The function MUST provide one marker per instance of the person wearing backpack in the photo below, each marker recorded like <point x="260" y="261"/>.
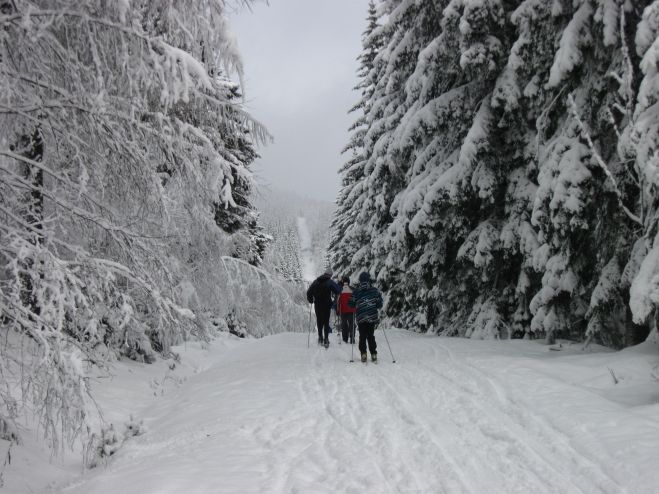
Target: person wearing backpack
<point x="346" y="313"/>
<point x="321" y="294"/>
<point x="367" y="300"/>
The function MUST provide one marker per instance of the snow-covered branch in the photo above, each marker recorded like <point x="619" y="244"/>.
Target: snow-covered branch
<point x="600" y="162"/>
<point x="123" y="177"/>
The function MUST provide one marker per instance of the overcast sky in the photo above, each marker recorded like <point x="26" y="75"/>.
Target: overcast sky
<point x="300" y="69"/>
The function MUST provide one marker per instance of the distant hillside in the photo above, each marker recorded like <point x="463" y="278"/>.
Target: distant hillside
<point x="280" y="211"/>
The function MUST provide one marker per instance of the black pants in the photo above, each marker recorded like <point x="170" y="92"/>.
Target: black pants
<point x="322" y="322"/>
<point x="367" y="334"/>
<point x="348" y="327"/>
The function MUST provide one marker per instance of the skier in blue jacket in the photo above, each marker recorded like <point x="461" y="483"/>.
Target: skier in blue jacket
<point x="367" y="300"/>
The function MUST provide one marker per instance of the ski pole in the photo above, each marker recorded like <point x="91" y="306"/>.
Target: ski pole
<point x="387" y="340"/>
<point x="352" y="337"/>
<point x="309" y="336"/>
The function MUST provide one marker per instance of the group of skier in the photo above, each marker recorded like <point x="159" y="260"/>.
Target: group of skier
<point x="360" y="303"/>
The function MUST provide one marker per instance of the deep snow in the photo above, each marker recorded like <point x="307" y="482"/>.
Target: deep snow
<point x="452" y="415"/>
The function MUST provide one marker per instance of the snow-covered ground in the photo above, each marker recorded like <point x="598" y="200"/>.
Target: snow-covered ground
<point x="451" y="415"/>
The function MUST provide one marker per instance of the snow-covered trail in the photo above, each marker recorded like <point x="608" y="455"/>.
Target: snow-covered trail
<point x="306" y="250"/>
<point x="272" y="416"/>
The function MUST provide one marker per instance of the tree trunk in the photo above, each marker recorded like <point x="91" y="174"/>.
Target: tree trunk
<point x="32" y="148"/>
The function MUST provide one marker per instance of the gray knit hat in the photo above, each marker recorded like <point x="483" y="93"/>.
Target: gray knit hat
<point x="329" y="271"/>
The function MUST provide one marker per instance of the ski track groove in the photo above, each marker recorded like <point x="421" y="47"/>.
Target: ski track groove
<point x="508" y="408"/>
<point x="386" y="449"/>
<point x="325" y="394"/>
<point x="546" y="460"/>
<point x="471" y="401"/>
<point x="356" y="415"/>
<point x="347" y="413"/>
<point x="490" y="441"/>
<point x="455" y="411"/>
<point x="387" y="444"/>
<point x="429" y="456"/>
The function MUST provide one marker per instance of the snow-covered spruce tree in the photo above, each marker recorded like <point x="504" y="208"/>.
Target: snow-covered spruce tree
<point x="99" y="179"/>
<point x="408" y="27"/>
<point x="283" y="253"/>
<point x="415" y="253"/>
<point x="358" y="234"/>
<point x="341" y="250"/>
<point x="234" y="212"/>
<point x="580" y="204"/>
<point x="639" y="145"/>
<point x="292" y="268"/>
<point x="446" y="223"/>
<point x="584" y="187"/>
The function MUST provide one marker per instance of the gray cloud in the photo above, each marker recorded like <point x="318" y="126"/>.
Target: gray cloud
<point x="299" y="72"/>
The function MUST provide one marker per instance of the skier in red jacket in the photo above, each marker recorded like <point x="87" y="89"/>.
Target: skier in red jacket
<point x="346" y="313"/>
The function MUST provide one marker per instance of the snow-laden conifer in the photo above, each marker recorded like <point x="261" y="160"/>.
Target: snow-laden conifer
<point x="344" y="230"/>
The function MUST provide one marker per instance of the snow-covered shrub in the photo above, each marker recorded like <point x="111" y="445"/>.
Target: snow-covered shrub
<point x="101" y="446"/>
<point x="607" y="307"/>
<point x="215" y="323"/>
<point x="236" y="326"/>
<point x="283" y="256"/>
<point x="257" y="303"/>
<point x="226" y="293"/>
<point x="8" y="431"/>
<point x="485" y="322"/>
<point x="133" y="428"/>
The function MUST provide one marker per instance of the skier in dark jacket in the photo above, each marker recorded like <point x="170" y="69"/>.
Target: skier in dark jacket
<point x="367" y="300"/>
<point x="321" y="293"/>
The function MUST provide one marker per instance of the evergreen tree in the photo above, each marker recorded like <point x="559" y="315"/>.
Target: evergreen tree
<point x="234" y="212"/>
<point x="408" y="26"/>
<point x="446" y="222"/>
<point x="638" y="148"/>
<point x="283" y="253"/>
<point x="341" y="248"/>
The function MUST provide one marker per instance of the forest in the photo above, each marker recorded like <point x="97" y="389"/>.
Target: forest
<point x="500" y="181"/>
<point x="501" y="174"/>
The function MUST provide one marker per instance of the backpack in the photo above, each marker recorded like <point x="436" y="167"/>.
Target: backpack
<point x="320" y="293"/>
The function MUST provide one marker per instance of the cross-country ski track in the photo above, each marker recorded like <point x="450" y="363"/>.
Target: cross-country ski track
<point x="451" y="416"/>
